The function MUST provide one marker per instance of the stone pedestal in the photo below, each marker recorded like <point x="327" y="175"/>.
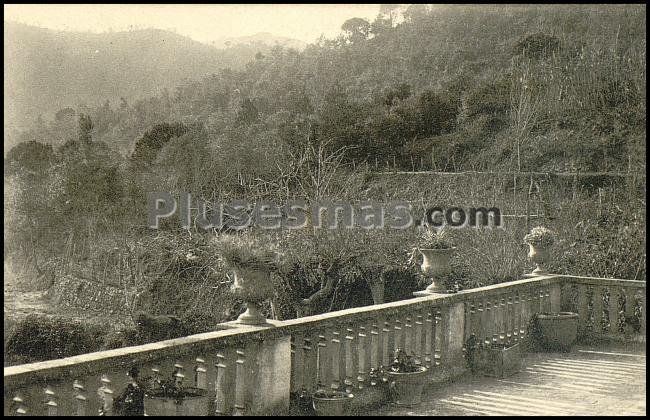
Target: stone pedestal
<point x="263" y="375"/>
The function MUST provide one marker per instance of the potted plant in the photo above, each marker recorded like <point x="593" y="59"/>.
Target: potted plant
<point x="555" y="331"/>
<point x="436" y="247"/>
<point x="495" y="359"/>
<point x="252" y="262"/>
<point x="170" y="397"/>
<point x="328" y="402"/>
<point x="407" y="379"/>
<point x="539" y="241"/>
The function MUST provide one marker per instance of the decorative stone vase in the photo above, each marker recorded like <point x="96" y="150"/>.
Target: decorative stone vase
<point x="253" y="286"/>
<point x="406" y="387"/>
<point x="539" y="255"/>
<point x="336" y="403"/>
<point x="435" y="263"/>
<point x="557" y="331"/>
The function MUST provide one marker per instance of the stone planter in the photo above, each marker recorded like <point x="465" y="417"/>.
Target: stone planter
<point x="406" y="388"/>
<point x="336" y="403"/>
<point x="253" y="287"/>
<point x="195" y="403"/>
<point x="435" y="263"/>
<point x="539" y="255"/>
<point x="557" y="331"/>
<point x="499" y="362"/>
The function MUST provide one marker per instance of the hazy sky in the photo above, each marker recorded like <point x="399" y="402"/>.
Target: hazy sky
<point x="202" y="22"/>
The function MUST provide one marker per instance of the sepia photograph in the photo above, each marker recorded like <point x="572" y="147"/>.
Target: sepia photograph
<point x="324" y="209"/>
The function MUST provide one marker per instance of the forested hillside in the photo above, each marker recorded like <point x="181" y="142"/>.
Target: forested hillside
<point x="46" y="70"/>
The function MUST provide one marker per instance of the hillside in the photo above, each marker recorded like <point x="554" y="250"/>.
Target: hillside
<point x="263" y="38"/>
<point x="48" y="70"/>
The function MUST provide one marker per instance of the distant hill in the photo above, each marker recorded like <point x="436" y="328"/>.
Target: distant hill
<point x="260" y="38"/>
<point x="47" y="70"/>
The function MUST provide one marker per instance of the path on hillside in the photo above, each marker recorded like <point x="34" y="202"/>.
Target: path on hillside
<point x="20" y="301"/>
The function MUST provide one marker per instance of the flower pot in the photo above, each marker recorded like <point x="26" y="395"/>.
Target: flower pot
<point x="253" y="286"/>
<point x="499" y="362"/>
<point x="407" y="387"/>
<point x="557" y="331"/>
<point x="194" y="403"/>
<point x="435" y="263"/>
<point x="336" y="403"/>
<point x="539" y="255"/>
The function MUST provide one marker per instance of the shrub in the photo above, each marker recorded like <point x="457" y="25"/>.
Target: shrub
<point x="40" y="337"/>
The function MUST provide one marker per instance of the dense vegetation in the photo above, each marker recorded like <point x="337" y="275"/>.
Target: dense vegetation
<point x="502" y="88"/>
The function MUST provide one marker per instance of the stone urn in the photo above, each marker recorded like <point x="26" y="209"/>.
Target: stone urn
<point x="539" y="255"/>
<point x="253" y="286"/>
<point x="539" y="240"/>
<point x="435" y="263"/>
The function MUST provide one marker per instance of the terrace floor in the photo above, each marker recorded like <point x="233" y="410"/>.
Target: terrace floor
<point x="591" y="380"/>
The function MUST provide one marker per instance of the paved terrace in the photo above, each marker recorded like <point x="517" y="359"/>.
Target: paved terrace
<point x="246" y="370"/>
<point x="593" y="380"/>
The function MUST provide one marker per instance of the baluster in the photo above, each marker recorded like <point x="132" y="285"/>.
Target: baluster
<point x="200" y="374"/>
<point x="481" y="315"/>
<point x="242" y="379"/>
<point x="540" y="300"/>
<point x="310" y="372"/>
<point x="430" y="338"/>
<point x="397" y="335"/>
<point x="105" y="396"/>
<point x="351" y="360"/>
<point x="510" y="319"/>
<point x="469" y="311"/>
<point x="297" y="361"/>
<point x="418" y="332"/>
<point x="338" y="371"/>
<point x="629" y="304"/>
<point x="516" y="317"/>
<point x="489" y="323"/>
<point x="407" y="334"/>
<point x="583" y="306"/>
<point x="324" y="361"/>
<point x="51" y="407"/>
<point x="18" y="405"/>
<point x="613" y="310"/>
<point x="390" y="342"/>
<point x="79" y="393"/>
<point x="379" y="337"/>
<point x="643" y="310"/>
<point x="598" y="309"/>
<point x="546" y="300"/>
<point x="364" y="348"/>
<point x="443" y="332"/>
<point x="502" y="319"/>
<point x="226" y="367"/>
<point x="415" y="334"/>
<point x="523" y="318"/>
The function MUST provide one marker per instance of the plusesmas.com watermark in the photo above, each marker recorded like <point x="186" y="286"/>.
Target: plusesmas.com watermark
<point x="298" y="214"/>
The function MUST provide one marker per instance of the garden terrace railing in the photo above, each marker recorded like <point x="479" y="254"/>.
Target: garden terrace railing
<point x="253" y="370"/>
<point x="609" y="308"/>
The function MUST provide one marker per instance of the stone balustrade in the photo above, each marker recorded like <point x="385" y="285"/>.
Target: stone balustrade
<point x="253" y="369"/>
